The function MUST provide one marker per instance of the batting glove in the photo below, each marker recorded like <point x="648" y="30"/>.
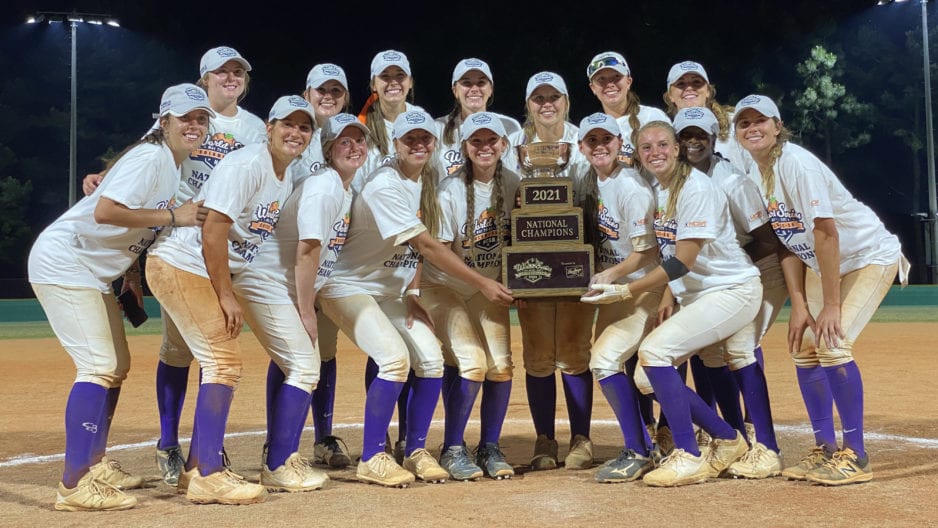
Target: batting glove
<point x="607" y="293"/>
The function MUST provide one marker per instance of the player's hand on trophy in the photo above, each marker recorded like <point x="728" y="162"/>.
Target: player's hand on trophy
<point x="601" y="293"/>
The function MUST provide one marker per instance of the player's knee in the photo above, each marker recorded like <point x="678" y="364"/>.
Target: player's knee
<point x="394" y="369"/>
<point x="175" y="356"/>
<point x="807" y="357"/>
<point x="430" y="368"/>
<point x="835" y="357"/>
<point x="473" y="372"/>
<point x="222" y="373"/>
<point x="641" y="382"/>
<point x="304" y="379"/>
<point x="600" y="374"/>
<point x="104" y="379"/>
<point x="653" y="357"/>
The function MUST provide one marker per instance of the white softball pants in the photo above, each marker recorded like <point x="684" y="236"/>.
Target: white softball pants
<point x="620" y="327"/>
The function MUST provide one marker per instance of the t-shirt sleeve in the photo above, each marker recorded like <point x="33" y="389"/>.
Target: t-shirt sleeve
<point x="805" y="178"/>
<point x="745" y="202"/>
<point x="230" y="188"/>
<point x="316" y="211"/>
<point x="134" y="179"/>
<point x="389" y="206"/>
<point x="699" y="207"/>
<point x="639" y="206"/>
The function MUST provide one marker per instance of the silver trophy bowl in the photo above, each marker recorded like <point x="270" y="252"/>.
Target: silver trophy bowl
<point x="544" y="159"/>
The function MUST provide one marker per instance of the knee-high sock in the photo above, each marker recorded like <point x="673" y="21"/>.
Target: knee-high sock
<point x="275" y="379"/>
<point x="542" y="401"/>
<point x="702" y="384"/>
<point x="578" y="392"/>
<point x="292" y="406"/>
<point x="211" y="417"/>
<point x="403" y="406"/>
<point x="458" y="405"/>
<point x="379" y="407"/>
<point x="621" y="394"/>
<point x="450" y="377"/>
<point x="760" y="357"/>
<point x="755" y="390"/>
<point x="371" y="372"/>
<point x="819" y="402"/>
<point x="85" y="413"/>
<point x="847" y="389"/>
<point x="494" y="407"/>
<point x="646" y="402"/>
<point x="171" y="386"/>
<point x="726" y="391"/>
<point x="323" y="401"/>
<point x="671" y="394"/>
<point x="424" y="395"/>
<point x="682" y="372"/>
<point x="110" y="405"/>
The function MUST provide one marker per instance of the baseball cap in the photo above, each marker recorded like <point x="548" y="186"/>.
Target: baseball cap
<point x="681" y="68"/>
<point x="288" y="104"/>
<point x="326" y="72"/>
<point x="338" y="123"/>
<point x="599" y="120"/>
<point x="481" y="121"/>
<point x="548" y="78"/>
<point x="217" y="57"/>
<point x="181" y="99"/>
<point x="696" y="116"/>
<point x="467" y="65"/>
<point x="759" y="103"/>
<point x="389" y="58"/>
<point x="413" y="120"/>
<point x="608" y="59"/>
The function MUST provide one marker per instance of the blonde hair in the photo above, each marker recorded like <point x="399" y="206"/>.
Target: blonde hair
<point x="430" y="214"/>
<point x="722" y="112"/>
<point x="374" y="120"/>
<point x="497" y="201"/>
<point x="768" y="173"/>
<point x="682" y="168"/>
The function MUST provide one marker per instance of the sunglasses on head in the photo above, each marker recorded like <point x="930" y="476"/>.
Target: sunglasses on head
<point x="608" y="62"/>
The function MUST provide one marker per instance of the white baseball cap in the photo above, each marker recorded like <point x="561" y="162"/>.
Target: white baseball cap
<point x="548" y="78"/>
<point x="217" y="57"/>
<point x="413" y="120"/>
<point x="288" y="104"/>
<point x="759" y="103"/>
<point x="599" y="120"/>
<point x="608" y="59"/>
<point x="482" y="121"/>
<point x="340" y="122"/>
<point x="467" y="65"/>
<point x="682" y="68"/>
<point x="389" y="58"/>
<point x="326" y="72"/>
<point x="181" y="99"/>
<point x="696" y="116"/>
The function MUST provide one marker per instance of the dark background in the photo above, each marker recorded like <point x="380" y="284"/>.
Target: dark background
<point x="746" y="47"/>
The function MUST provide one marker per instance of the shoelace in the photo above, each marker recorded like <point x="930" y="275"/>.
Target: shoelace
<point x="753" y="455"/>
<point x="673" y="458"/>
<point x="104" y="489"/>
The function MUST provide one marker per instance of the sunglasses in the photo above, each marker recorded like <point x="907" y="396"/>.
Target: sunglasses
<point x="608" y="62"/>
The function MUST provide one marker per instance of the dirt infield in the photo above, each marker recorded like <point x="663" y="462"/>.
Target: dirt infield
<point x="901" y="419"/>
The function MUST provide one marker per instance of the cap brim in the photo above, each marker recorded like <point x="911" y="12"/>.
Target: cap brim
<point x="186" y="110"/>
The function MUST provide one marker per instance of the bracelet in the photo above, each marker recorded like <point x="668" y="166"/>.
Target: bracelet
<point x="172" y="218"/>
<point x="413" y="291"/>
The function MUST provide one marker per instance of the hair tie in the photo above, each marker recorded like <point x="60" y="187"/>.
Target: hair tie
<point x="362" y="116"/>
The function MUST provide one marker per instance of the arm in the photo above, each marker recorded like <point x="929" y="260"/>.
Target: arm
<point x="306" y="267"/>
<point x="764" y="243"/>
<point x="91" y="182"/>
<point x="442" y="257"/>
<point x="827" y="248"/>
<point x="686" y="252"/>
<point x="215" y="251"/>
<point x="633" y="262"/>
<point x="414" y="309"/>
<point x="114" y="213"/>
<point x="800" y="319"/>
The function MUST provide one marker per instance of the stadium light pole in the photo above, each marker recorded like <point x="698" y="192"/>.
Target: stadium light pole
<point x="73" y="18"/>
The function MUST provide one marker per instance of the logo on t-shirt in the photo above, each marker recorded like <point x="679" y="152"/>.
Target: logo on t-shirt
<point x="788" y="224"/>
<point x="454" y="161"/>
<point x="485" y="239"/>
<point x="213" y="149"/>
<point x="608" y="226"/>
<point x="340" y="229"/>
<point x="265" y="219"/>
<point x="665" y="232"/>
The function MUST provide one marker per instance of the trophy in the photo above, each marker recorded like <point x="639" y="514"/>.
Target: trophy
<point x="547" y="256"/>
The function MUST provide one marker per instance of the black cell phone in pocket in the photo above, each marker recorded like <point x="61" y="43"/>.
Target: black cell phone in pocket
<point x="134" y="312"/>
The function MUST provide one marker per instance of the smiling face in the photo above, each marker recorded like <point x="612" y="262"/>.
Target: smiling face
<point x="184" y="134"/>
<point x="414" y="150"/>
<point x="757" y="133"/>
<point x="473" y="92"/>
<point x="547" y="106"/>
<point x="612" y="89"/>
<point x="226" y="84"/>
<point x="601" y="149"/>
<point x="289" y="137"/>
<point x="484" y="148"/>
<point x="697" y="145"/>
<point x="349" y="151"/>
<point x="392" y="85"/>
<point x="327" y="100"/>
<point x="657" y="151"/>
<point x="689" y="90"/>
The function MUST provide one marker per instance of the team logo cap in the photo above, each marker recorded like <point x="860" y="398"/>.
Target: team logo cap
<point x="326" y="72"/>
<point x="759" y="103"/>
<point x="414" y="120"/>
<point x="340" y="122"/>
<point x="548" y="78"/>
<point x="288" y="104"/>
<point x="481" y="121"/>
<point x="217" y="57"/>
<point x="696" y="116"/>
<point x="608" y="59"/>
<point x="386" y="59"/>
<point x="181" y="99"/>
<point x="681" y="68"/>
<point x="599" y="120"/>
<point x="466" y="65"/>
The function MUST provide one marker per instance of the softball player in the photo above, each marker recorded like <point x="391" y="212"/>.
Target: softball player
<point x="327" y="91"/>
<point x="719" y="291"/>
<point x="623" y="211"/>
<point x="552" y="340"/>
<point x="475" y="205"/>
<point x="728" y="371"/>
<point x="853" y="261"/>
<point x="365" y="295"/>
<point x="192" y="272"/>
<point x="71" y="267"/>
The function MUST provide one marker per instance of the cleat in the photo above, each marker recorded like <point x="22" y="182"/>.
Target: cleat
<point x="171" y="463"/>
<point x="492" y="460"/>
<point x="422" y="464"/>
<point x="545" y="454"/>
<point x="91" y="494"/>
<point x="724" y="452"/>
<point x="383" y="470"/>
<point x="626" y="467"/>
<point x="296" y="474"/>
<point x="750" y="433"/>
<point x="581" y="453"/>
<point x="680" y="468"/>
<point x="184" y="479"/>
<point x="758" y="463"/>
<point x="224" y="487"/>
<point x="331" y="451"/>
<point x="110" y="471"/>
<point x="663" y="444"/>
<point x="703" y="439"/>
<point x="844" y="467"/>
<point x="225" y="461"/>
<point x="813" y="460"/>
<point x="456" y="461"/>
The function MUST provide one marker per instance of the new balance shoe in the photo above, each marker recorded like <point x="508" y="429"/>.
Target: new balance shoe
<point x="296" y="474"/>
<point x="382" y="469"/>
<point x="110" y="471"/>
<point x="581" y="453"/>
<point x="91" y="494"/>
<point x="331" y="451"/>
<point x="626" y="467"/>
<point x="758" y="463"/>
<point x="490" y="458"/>
<point x="844" y="467"/>
<point x="422" y="464"/>
<point x="545" y="453"/>
<point x="171" y="463"/>
<point x="813" y="460"/>
<point x="224" y="487"/>
<point x="456" y="461"/>
<point x="680" y="468"/>
<point x="724" y="452"/>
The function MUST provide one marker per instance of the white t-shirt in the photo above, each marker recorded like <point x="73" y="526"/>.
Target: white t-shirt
<point x="311" y="161"/>
<point x="732" y="151"/>
<point x="318" y="209"/>
<point x="806" y="189"/>
<point x="375" y="158"/>
<point x="747" y="209"/>
<point x="701" y="213"/>
<point x="75" y="250"/>
<point x="488" y="249"/>
<point x="626" y="211"/>
<point x="374" y="262"/>
<point x="449" y="155"/>
<point x="244" y="188"/>
<point x="577" y="165"/>
<point x="646" y="114"/>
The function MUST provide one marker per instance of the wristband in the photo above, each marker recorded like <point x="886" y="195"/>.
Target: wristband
<point x="674" y="268"/>
<point x="413" y="291"/>
<point x="172" y="218"/>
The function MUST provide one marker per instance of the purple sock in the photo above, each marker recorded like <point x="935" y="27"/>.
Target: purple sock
<point x="110" y="405"/>
<point x="458" y="406"/>
<point x="708" y="419"/>
<point x="171" y="386"/>
<point x="726" y="392"/>
<point x="323" y="401"/>
<point x="847" y="389"/>
<point x="702" y="386"/>
<point x="816" y="393"/>
<point x="450" y="377"/>
<point x="371" y="372"/>
<point x="494" y="407"/>
<point x="275" y="378"/>
<point x="578" y="392"/>
<point x="84" y="414"/>
<point x="646" y="402"/>
<point x="755" y="390"/>
<point x="672" y="396"/>
<point x="760" y="357"/>
<point x="542" y="401"/>
<point x="292" y="405"/>
<point x="403" y="406"/>
<point x="621" y="394"/>
<point x="424" y="395"/>
<point x="379" y="407"/>
<point x="211" y="417"/>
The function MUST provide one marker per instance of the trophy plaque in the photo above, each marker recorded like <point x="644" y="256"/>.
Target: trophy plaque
<point x="547" y="256"/>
